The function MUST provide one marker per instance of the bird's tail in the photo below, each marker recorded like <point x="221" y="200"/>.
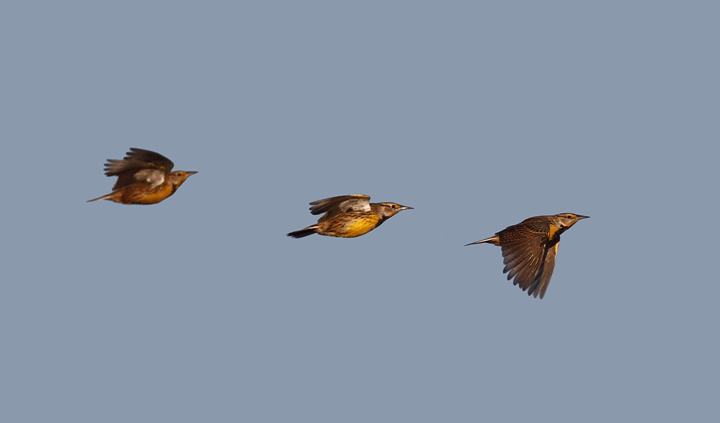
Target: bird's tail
<point x="492" y="240"/>
<point x="104" y="197"/>
<point x="303" y="232"/>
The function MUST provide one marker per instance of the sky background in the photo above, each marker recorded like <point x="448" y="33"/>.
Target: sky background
<point x="478" y="115"/>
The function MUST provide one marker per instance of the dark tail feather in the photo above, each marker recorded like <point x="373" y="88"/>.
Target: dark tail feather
<point x="303" y="232"/>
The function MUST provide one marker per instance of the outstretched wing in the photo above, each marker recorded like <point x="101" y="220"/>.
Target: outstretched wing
<point x="139" y="166"/>
<point x="542" y="279"/>
<point x="138" y="158"/>
<point x="334" y="206"/>
<point x="523" y="250"/>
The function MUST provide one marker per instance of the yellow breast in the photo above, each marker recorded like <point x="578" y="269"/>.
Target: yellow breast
<point x="360" y="226"/>
<point x="554" y="232"/>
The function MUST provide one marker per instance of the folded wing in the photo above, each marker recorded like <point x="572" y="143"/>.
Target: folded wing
<point x="337" y="205"/>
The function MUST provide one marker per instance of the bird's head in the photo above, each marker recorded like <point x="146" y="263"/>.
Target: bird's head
<point x="178" y="177"/>
<point x="566" y="220"/>
<point x="391" y="209"/>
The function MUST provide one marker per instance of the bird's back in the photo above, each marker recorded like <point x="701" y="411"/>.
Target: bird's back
<point x="528" y="228"/>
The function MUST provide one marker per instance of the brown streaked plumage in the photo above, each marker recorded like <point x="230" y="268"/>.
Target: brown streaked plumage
<point x="144" y="177"/>
<point x="529" y="249"/>
<point x="348" y="216"/>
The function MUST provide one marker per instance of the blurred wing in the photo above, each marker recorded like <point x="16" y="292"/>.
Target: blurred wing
<point x="152" y="177"/>
<point x="139" y="166"/>
<point x="138" y="159"/>
<point x="337" y="205"/>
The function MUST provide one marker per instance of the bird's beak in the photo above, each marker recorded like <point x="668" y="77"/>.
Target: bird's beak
<point x="192" y="172"/>
<point x="405" y="208"/>
<point x="579" y="216"/>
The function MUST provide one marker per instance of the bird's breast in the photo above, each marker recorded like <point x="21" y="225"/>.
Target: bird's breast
<point x="553" y="232"/>
<point x="360" y="226"/>
<point x="153" y="196"/>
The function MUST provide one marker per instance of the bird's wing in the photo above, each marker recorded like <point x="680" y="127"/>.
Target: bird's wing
<point x="139" y="166"/>
<point x="149" y="176"/>
<point x="138" y="159"/>
<point x="542" y="279"/>
<point x="341" y="204"/>
<point x="523" y="250"/>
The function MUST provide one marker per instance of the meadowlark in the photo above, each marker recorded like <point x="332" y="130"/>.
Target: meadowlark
<point x="144" y="177"/>
<point x="529" y="249"/>
<point x="348" y="216"/>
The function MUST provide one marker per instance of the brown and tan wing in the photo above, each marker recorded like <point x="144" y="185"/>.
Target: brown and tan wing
<point x="523" y="249"/>
<point x="138" y="158"/>
<point x="139" y="166"/>
<point x="334" y="206"/>
<point x="542" y="279"/>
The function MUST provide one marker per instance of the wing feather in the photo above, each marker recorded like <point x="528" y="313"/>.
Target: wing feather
<point x="137" y="158"/>
<point x="523" y="249"/>
<point x="334" y="206"/>
<point x="139" y="166"/>
<point x="542" y="279"/>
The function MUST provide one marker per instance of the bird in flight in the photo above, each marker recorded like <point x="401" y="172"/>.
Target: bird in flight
<point x="144" y="177"/>
<point x="348" y="216"/>
<point x="529" y="249"/>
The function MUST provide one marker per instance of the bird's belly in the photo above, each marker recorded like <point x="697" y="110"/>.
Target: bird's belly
<point x="359" y="227"/>
<point x="146" y="195"/>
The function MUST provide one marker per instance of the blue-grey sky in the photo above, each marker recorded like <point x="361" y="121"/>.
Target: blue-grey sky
<point x="478" y="115"/>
